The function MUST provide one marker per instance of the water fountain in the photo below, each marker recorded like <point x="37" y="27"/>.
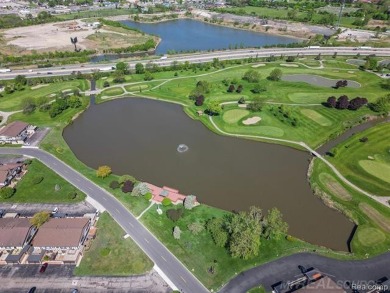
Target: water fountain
<point x="182" y="148"/>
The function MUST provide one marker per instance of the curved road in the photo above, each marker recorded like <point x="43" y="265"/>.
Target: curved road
<point x="286" y="268"/>
<point x="165" y="260"/>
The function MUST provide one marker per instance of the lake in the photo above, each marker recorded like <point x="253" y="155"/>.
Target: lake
<point x="140" y="137"/>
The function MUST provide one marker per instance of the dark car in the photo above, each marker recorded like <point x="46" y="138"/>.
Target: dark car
<point x="50" y="73"/>
<point x="32" y="289"/>
<point x="43" y="267"/>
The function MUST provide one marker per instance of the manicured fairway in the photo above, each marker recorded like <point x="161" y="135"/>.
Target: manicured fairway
<point x="115" y="91"/>
<point x="233" y="116"/>
<point x="366" y="164"/>
<point x="316" y="117"/>
<point x="378" y="169"/>
<point x="370" y="236"/>
<point x="380" y="219"/>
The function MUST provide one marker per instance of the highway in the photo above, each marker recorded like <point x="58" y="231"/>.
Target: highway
<point x="197" y="58"/>
<point x="181" y="277"/>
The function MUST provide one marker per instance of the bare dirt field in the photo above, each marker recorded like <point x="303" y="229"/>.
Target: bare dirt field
<point x="56" y="36"/>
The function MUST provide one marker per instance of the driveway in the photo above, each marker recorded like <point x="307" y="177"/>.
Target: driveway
<point x="59" y="278"/>
<point x="286" y="268"/>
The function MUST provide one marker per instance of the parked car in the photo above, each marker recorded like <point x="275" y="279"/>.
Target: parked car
<point x="32" y="289"/>
<point x="55" y="210"/>
<point x="43" y="267"/>
<point x="74" y="291"/>
<point x="1" y="213"/>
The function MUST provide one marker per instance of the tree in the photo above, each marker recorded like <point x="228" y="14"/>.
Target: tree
<point x="213" y="108"/>
<point x="195" y="228"/>
<point x="290" y="59"/>
<point x="239" y="89"/>
<point x="28" y="105"/>
<point x="371" y="63"/>
<point x="241" y="100"/>
<point x="74" y="102"/>
<point x="357" y="103"/>
<point x="251" y="76"/>
<point x="381" y="105"/>
<point x="230" y="88"/>
<point x="20" y="80"/>
<point x="174" y="214"/>
<point x="114" y="184"/>
<point x="256" y="105"/>
<point x="199" y="100"/>
<point x="331" y="102"/>
<point x="258" y="88"/>
<point x="386" y="84"/>
<point x="341" y="83"/>
<point x="139" y="68"/>
<point x="106" y="84"/>
<point x="275" y="227"/>
<point x="126" y="177"/>
<point x="122" y="67"/>
<point x="40" y="218"/>
<point x="7" y="192"/>
<point x="176" y="232"/>
<point x="218" y="232"/>
<point x="148" y="76"/>
<point x="103" y="171"/>
<point x="245" y="229"/>
<point x="166" y="202"/>
<point x="141" y="188"/>
<point x="189" y="202"/>
<point x="127" y="186"/>
<point x="275" y="74"/>
<point x="342" y="102"/>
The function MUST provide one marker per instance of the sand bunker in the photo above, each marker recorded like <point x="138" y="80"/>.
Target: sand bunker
<point x="251" y="120"/>
<point x="289" y="65"/>
<point x="38" y="86"/>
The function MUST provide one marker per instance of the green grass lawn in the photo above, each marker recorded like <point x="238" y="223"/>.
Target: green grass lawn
<point x="366" y="164"/>
<point x="29" y="192"/>
<point x="112" y="255"/>
<point x="372" y="236"/>
<point x="12" y="102"/>
<point x="198" y="252"/>
<point x="115" y="91"/>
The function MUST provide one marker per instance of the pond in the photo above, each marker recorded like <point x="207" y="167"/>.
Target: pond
<point x="317" y="80"/>
<point x="188" y="34"/>
<point x="141" y="137"/>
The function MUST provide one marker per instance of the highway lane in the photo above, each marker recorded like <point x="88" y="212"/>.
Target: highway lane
<point x="165" y="260"/>
<point x="197" y="58"/>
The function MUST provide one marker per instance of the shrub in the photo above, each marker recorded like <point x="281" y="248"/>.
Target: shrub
<point x="199" y="100"/>
<point x="126" y="177"/>
<point x="114" y="184"/>
<point x="195" y="228"/>
<point x="176" y="232"/>
<point x="127" y="186"/>
<point x="275" y="74"/>
<point x="241" y="100"/>
<point x="174" y="215"/>
<point x="72" y="195"/>
<point x="148" y="196"/>
<point x="239" y="89"/>
<point x="166" y="202"/>
<point x="140" y="189"/>
<point x="258" y="88"/>
<point x="363" y="139"/>
<point x="231" y="88"/>
<point x="7" y="192"/>
<point x="37" y="179"/>
<point x="106" y="84"/>
<point x="251" y="76"/>
<point x="189" y="202"/>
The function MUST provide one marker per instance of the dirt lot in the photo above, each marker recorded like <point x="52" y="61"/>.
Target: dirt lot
<point x="56" y="36"/>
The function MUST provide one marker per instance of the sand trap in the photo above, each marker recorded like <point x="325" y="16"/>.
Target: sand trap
<point x="251" y="120"/>
<point x="351" y="71"/>
<point x="289" y="65"/>
<point x="38" y="86"/>
<point x="242" y="105"/>
<point x="258" y="65"/>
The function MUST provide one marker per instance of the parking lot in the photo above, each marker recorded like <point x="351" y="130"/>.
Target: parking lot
<point x="59" y="279"/>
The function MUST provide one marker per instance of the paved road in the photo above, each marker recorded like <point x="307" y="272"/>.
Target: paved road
<point x="60" y="279"/>
<point x="199" y="58"/>
<point x="284" y="269"/>
<point x="166" y="261"/>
